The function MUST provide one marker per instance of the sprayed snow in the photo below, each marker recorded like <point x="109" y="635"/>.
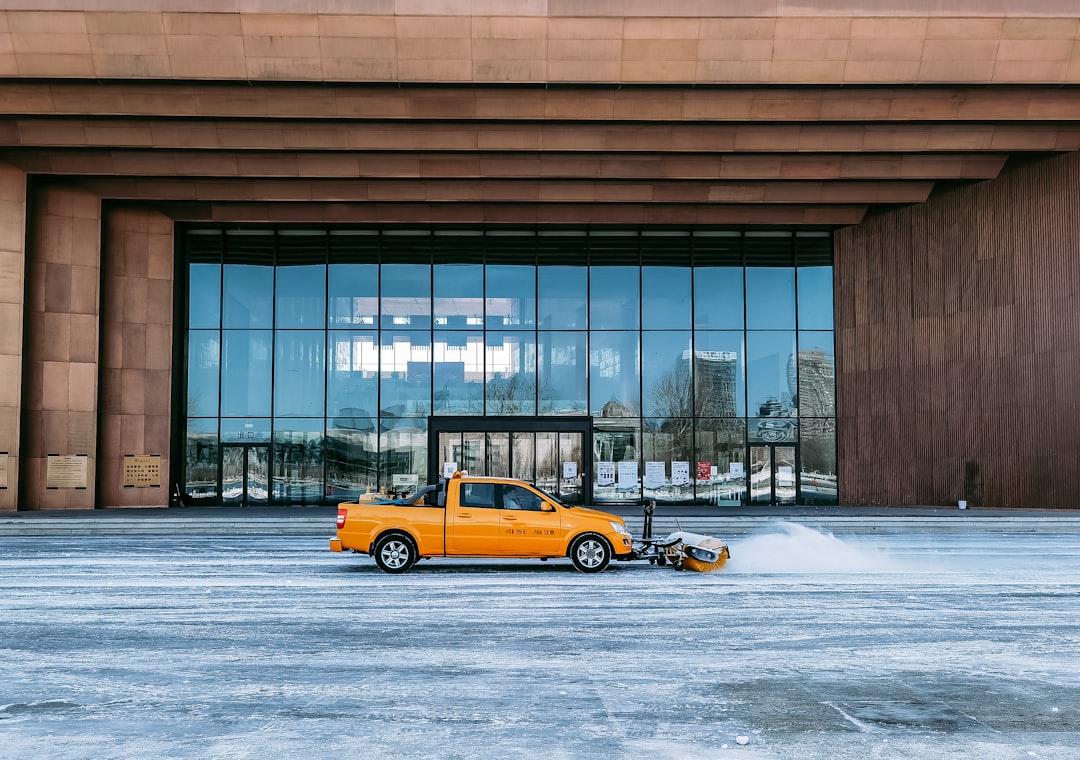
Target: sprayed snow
<point x="793" y="548"/>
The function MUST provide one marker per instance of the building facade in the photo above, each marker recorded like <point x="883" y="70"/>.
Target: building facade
<point x="747" y="253"/>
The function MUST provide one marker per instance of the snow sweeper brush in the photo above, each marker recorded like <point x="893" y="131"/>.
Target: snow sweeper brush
<point x="682" y="550"/>
<point x="693" y="551"/>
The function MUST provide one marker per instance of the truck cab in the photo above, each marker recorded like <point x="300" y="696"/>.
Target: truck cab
<point x="480" y="517"/>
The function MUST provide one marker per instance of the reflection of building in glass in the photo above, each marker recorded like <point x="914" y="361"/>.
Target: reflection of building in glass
<point x="351" y="447"/>
<point x="816" y="382"/>
<point x="365" y="425"/>
<point x="716" y="376"/>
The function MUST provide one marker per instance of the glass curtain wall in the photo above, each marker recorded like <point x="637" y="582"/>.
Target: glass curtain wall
<point x="689" y="348"/>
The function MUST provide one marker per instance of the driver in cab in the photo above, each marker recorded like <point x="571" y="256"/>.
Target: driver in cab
<point x="520" y="498"/>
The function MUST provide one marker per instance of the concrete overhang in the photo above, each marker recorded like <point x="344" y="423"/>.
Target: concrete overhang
<point x="563" y="111"/>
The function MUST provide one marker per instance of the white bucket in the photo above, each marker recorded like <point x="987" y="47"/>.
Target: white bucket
<point x="962" y="504"/>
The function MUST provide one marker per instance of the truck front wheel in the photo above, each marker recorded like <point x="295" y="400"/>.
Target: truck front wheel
<point x="590" y="553"/>
<point x="394" y="553"/>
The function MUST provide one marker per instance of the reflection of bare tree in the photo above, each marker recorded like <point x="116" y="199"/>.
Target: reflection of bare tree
<point x="469" y="399"/>
<point x="816" y="384"/>
<point x="201" y="458"/>
<point x="818" y="444"/>
<point x="546" y="455"/>
<point x="545" y="392"/>
<point x="673" y="403"/>
<point x="298" y="459"/>
<point x="673" y="393"/>
<point x="352" y="454"/>
<point x="511" y="395"/>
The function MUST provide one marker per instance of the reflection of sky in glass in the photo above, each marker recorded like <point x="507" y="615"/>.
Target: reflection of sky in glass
<point x="818" y="341"/>
<point x="248" y="295"/>
<point x="245" y="373"/>
<point x="204" y="359"/>
<point x="511" y="296"/>
<point x="816" y="298"/>
<point x="665" y="298"/>
<point x="301" y="297"/>
<point x="614" y="297"/>
<point x="718" y="297"/>
<point x="770" y="298"/>
<point x="204" y="295"/>
<point x="406" y="295"/>
<point x="769" y="379"/>
<point x="298" y="373"/>
<point x="563" y="297"/>
<point x="354" y="294"/>
<point x="459" y="296"/>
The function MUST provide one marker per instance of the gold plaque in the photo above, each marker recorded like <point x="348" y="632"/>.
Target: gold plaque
<point x="142" y="471"/>
<point x="3" y="469"/>
<point x="66" y="471"/>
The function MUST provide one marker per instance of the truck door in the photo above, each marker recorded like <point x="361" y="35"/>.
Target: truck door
<point x="527" y="529"/>
<point x="472" y="519"/>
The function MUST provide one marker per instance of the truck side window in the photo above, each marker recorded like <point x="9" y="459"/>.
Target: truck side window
<point x="478" y="495"/>
<point x="516" y="497"/>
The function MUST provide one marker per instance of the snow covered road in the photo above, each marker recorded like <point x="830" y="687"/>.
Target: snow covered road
<point x="805" y="646"/>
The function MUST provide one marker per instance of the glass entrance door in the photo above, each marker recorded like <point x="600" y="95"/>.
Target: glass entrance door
<point x="245" y="471"/>
<point x="551" y="455"/>
<point x="772" y="474"/>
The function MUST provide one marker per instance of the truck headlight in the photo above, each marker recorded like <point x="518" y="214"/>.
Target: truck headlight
<point x="619" y="527"/>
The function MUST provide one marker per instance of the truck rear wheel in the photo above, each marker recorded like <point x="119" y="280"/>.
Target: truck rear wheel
<point x="395" y="553"/>
<point x="590" y="553"/>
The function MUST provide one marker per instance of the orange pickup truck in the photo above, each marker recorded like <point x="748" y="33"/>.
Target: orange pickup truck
<point x="480" y="517"/>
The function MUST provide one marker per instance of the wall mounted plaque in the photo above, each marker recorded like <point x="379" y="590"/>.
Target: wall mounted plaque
<point x="66" y="470"/>
<point x="3" y="469"/>
<point x="142" y="471"/>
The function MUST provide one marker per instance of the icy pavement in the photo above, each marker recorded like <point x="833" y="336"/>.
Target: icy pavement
<point x="806" y="646"/>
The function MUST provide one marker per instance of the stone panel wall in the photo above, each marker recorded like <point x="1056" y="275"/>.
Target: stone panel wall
<point x="12" y="289"/>
<point x="535" y="41"/>
<point x="60" y="378"/>
<point x="136" y="353"/>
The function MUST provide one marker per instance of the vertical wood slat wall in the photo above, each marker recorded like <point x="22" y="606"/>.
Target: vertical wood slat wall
<point x="958" y="346"/>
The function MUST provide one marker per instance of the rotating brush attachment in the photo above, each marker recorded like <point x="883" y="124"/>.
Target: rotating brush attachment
<point x="706" y="555"/>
